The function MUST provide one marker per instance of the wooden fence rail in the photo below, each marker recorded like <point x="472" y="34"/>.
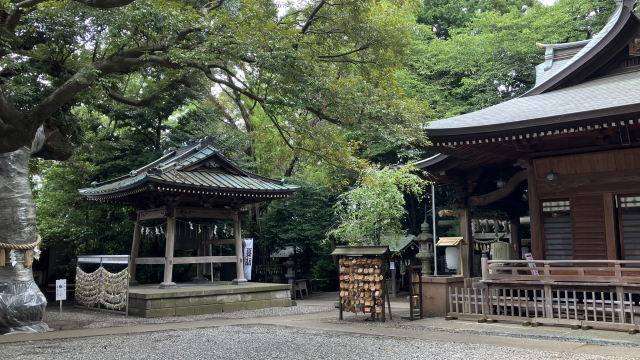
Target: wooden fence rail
<point x="562" y="295"/>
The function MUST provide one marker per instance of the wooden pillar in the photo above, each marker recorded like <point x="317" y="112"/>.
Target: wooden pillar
<point x="135" y="247"/>
<point x="237" y="235"/>
<point x="199" y="279"/>
<point x="610" y="227"/>
<point x="467" y="247"/>
<point x="535" y="214"/>
<point x="516" y="250"/>
<point x="168" y="257"/>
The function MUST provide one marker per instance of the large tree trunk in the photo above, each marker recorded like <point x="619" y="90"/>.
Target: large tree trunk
<point x="22" y="304"/>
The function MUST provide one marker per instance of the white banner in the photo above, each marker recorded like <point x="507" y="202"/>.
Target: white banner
<point x="248" y="258"/>
<point x="528" y="256"/>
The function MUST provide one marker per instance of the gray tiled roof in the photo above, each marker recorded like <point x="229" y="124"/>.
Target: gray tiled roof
<point x="171" y="169"/>
<point x="597" y="38"/>
<point x="599" y="94"/>
<point x="546" y="103"/>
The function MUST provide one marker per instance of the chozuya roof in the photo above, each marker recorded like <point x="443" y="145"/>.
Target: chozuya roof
<point x="561" y="99"/>
<point x="200" y="167"/>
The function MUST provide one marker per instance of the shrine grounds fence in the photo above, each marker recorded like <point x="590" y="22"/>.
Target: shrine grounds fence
<point x="602" y="294"/>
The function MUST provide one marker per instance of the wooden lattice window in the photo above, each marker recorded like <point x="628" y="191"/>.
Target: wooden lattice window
<point x="629" y="227"/>
<point x="558" y="243"/>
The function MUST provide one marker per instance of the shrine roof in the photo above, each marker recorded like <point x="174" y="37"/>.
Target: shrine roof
<point x="200" y="167"/>
<point x="574" y="85"/>
<point x="578" y="102"/>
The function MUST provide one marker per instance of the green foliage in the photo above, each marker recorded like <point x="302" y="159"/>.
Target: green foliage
<point x="443" y="16"/>
<point x="490" y="58"/>
<point x="302" y="221"/>
<point x="372" y="212"/>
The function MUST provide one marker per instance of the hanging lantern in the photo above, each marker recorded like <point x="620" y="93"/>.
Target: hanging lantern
<point x="500" y="183"/>
<point x="552" y="176"/>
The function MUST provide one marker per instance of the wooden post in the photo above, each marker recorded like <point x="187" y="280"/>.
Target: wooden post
<point x="535" y="214"/>
<point x="135" y="247"/>
<point x="610" y="227"/>
<point x="485" y="268"/>
<point x="515" y="237"/>
<point x="168" y="257"/>
<point x="237" y="235"/>
<point x="467" y="247"/>
<point x="393" y="280"/>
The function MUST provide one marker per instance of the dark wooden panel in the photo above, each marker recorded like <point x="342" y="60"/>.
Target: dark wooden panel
<point x="588" y="228"/>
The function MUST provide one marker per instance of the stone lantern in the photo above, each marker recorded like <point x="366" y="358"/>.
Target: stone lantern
<point x="425" y="240"/>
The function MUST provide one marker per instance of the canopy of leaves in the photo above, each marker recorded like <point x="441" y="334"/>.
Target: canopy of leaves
<point x="372" y="212"/>
<point x="491" y="58"/>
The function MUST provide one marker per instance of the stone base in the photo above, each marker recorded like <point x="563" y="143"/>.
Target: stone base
<point x="167" y="285"/>
<point x="239" y="281"/>
<point x="191" y="299"/>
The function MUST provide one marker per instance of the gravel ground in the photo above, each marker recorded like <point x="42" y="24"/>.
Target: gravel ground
<point x="71" y="318"/>
<point x="266" y="342"/>
<point x="397" y="323"/>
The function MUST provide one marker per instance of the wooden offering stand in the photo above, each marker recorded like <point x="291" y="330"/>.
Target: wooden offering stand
<point x="362" y="280"/>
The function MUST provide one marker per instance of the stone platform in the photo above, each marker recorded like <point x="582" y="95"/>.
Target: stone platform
<point x="195" y="299"/>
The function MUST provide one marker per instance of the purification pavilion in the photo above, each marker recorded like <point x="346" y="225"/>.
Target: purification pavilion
<point x="567" y="152"/>
<point x="190" y="183"/>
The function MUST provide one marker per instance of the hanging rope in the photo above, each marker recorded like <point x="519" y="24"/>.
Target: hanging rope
<point x="27" y="255"/>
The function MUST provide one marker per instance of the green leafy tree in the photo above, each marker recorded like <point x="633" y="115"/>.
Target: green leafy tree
<point x="372" y="212"/>
<point x="492" y="57"/>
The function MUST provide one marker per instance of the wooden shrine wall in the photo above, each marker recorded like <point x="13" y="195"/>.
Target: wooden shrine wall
<point x="591" y="173"/>
<point x="587" y="228"/>
<point x="589" y="181"/>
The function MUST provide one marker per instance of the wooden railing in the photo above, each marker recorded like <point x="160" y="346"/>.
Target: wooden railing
<point x="604" y="295"/>
<point x="591" y="271"/>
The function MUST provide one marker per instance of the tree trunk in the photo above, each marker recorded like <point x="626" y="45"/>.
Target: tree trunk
<point x="22" y="304"/>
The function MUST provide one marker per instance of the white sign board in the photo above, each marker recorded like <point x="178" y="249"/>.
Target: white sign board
<point x="528" y="256"/>
<point x="61" y="290"/>
<point x="248" y="258"/>
<point x="392" y="265"/>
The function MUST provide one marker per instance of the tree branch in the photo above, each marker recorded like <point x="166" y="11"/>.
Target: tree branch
<point x="119" y="98"/>
<point x="322" y="116"/>
<point x="105" y="4"/>
<point x="18" y="10"/>
<point x="306" y="25"/>
<point x="361" y="48"/>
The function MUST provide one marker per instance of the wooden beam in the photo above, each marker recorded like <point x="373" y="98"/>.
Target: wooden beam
<point x="610" y="226"/>
<point x="516" y="245"/>
<point x="219" y="242"/>
<point x="204" y="259"/>
<point x="188" y="260"/>
<point x="149" y="261"/>
<point x="224" y="214"/>
<point x="496" y="195"/>
<point x="467" y="246"/>
<point x="153" y="214"/>
<point x="535" y="214"/>
<point x="168" y="258"/>
<point x="135" y="247"/>
<point x="237" y="234"/>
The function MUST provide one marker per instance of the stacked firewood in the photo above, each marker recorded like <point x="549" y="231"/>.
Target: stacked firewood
<point x="361" y="284"/>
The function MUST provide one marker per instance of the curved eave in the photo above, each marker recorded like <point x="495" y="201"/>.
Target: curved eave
<point x="561" y="123"/>
<point x="597" y="52"/>
<point x="168" y="186"/>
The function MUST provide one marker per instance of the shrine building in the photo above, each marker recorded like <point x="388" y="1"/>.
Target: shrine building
<point x="566" y="153"/>
<point x="181" y="192"/>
